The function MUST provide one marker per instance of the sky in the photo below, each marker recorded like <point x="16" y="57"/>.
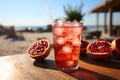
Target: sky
<point x="33" y="13"/>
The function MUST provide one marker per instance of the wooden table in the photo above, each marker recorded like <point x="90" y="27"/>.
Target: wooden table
<point x="21" y="67"/>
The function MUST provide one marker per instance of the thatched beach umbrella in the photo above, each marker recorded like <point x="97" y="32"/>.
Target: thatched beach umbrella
<point x="108" y="6"/>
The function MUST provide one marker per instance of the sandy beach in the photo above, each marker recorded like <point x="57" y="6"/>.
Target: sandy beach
<point x="10" y="46"/>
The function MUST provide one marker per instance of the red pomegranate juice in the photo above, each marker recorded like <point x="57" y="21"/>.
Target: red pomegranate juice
<point x="67" y="46"/>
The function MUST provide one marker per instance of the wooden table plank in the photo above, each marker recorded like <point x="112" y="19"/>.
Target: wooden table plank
<point x="22" y="67"/>
<point x="101" y="70"/>
<point x="109" y="67"/>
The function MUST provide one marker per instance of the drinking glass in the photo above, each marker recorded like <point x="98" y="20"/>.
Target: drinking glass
<point x="67" y="40"/>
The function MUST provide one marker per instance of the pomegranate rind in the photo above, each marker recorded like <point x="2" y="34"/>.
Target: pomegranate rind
<point x="115" y="51"/>
<point x="99" y="55"/>
<point x="83" y="50"/>
<point x="40" y="56"/>
<point x="83" y="46"/>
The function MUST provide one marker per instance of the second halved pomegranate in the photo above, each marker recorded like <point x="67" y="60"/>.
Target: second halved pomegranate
<point x="99" y="49"/>
<point x="83" y="46"/>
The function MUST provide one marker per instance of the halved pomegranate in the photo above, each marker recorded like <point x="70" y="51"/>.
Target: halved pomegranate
<point x="116" y="47"/>
<point x="83" y="46"/>
<point x="39" y="49"/>
<point x="99" y="49"/>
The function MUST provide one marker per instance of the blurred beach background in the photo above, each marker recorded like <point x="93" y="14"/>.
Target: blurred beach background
<point x="24" y="21"/>
<point x="17" y="28"/>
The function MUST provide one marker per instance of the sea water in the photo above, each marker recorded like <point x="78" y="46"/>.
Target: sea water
<point x="45" y="27"/>
<point x="17" y="28"/>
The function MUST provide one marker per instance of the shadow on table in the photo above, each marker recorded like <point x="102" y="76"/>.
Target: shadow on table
<point x="111" y="62"/>
<point x="45" y="64"/>
<point x="84" y="74"/>
<point x="80" y="74"/>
